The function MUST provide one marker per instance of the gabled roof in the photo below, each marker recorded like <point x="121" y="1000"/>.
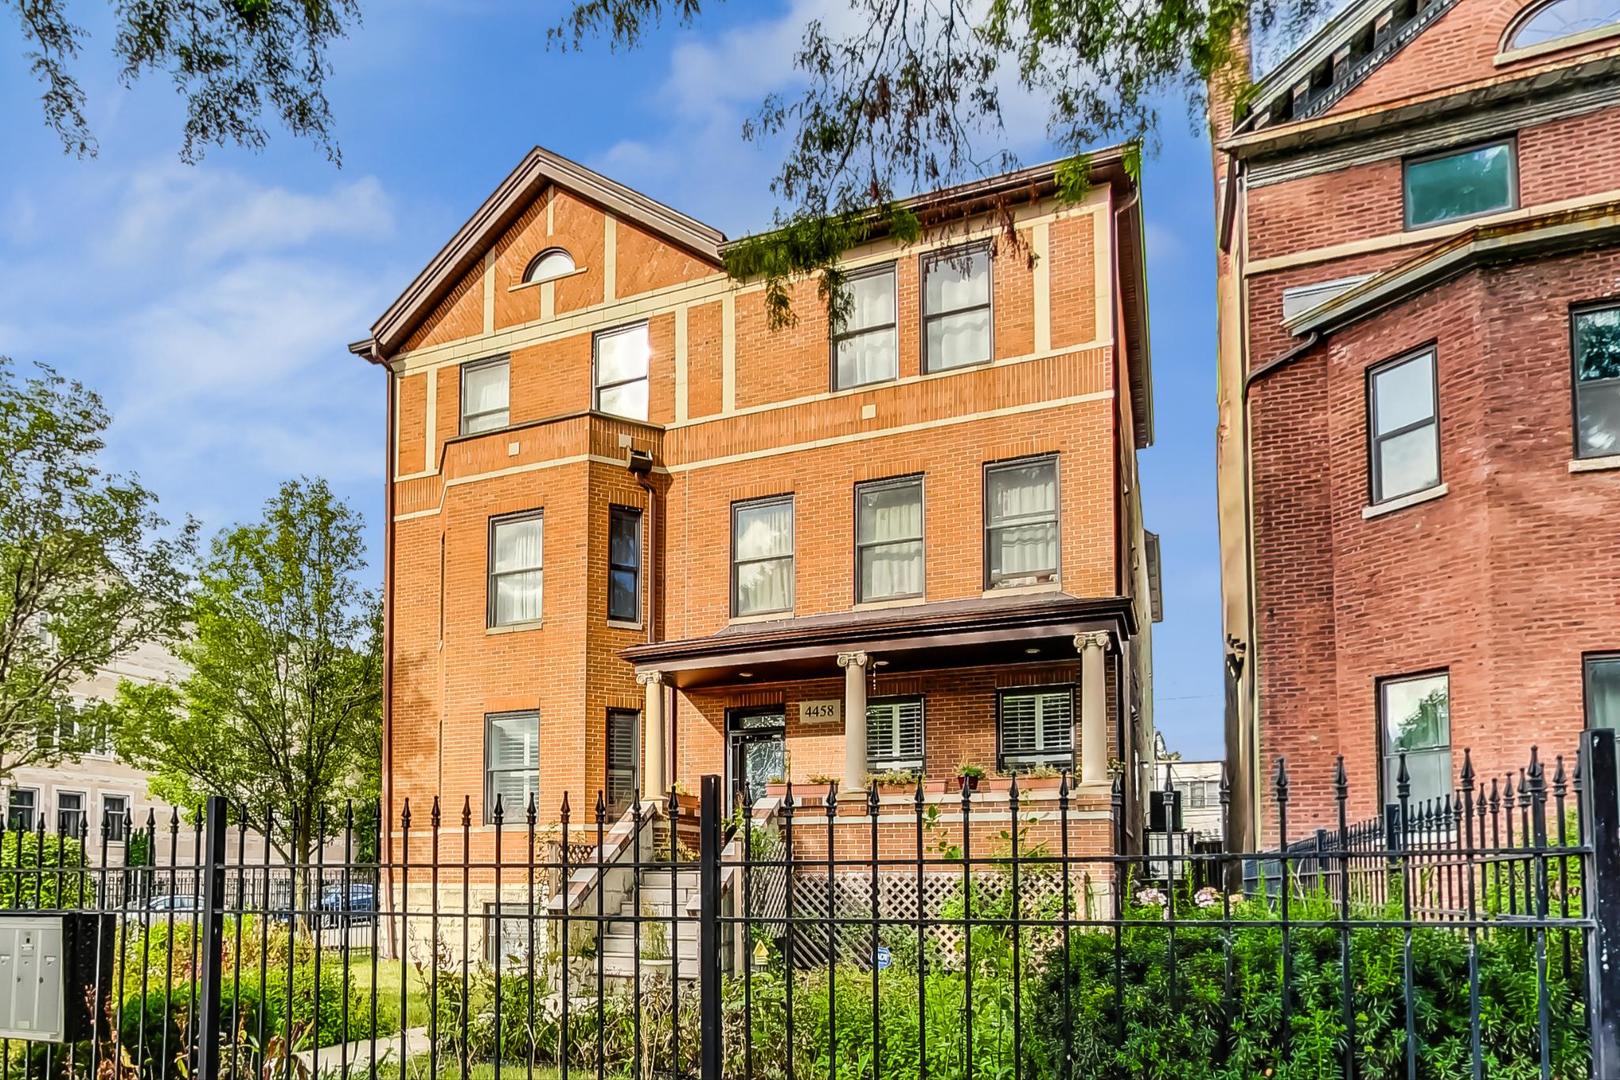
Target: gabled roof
<point x="1338" y="58"/>
<point x="539" y="169"/>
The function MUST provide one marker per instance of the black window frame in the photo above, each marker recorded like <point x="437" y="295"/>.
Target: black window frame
<point x="633" y="514"/>
<point x="921" y="537"/>
<point x="528" y="277"/>
<point x="82" y="813"/>
<point x="509" y="815"/>
<point x="504" y="360"/>
<point x="885" y="764"/>
<point x="608" y="747"/>
<point x="597" y="386"/>
<point x="1603" y="656"/>
<point x="1575" y="312"/>
<point x="115" y="822"/>
<point x="991" y="581"/>
<point x="792" y="556"/>
<point x="1375" y="479"/>
<point x="33" y="808"/>
<point x="1069" y="757"/>
<point x="490" y="621"/>
<point x="835" y="337"/>
<point x="1512" y="144"/>
<point x="1386" y="798"/>
<point x="928" y="258"/>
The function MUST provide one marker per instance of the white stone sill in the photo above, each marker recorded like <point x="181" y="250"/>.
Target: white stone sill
<point x="1404" y="501"/>
<point x="1595" y="464"/>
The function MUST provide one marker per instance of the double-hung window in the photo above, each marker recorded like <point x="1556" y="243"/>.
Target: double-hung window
<point x="516" y="575"/>
<point x="956" y="308"/>
<point x="1415" y="718"/>
<point x="1460" y="183"/>
<point x="115" y="812"/>
<point x="624" y="563"/>
<point x="70" y="814"/>
<point x="621" y="756"/>
<point x="866" y="349"/>
<point x="621" y="358"/>
<point x="1021" y="523"/>
<point x="511" y="764"/>
<point x="1404" y="426"/>
<point x="485" y="395"/>
<point x="21" y="806"/>
<point x="762" y="556"/>
<point x="1602" y="677"/>
<point x="889" y="539"/>
<point x="894" y="734"/>
<point x="1595" y="342"/>
<point x="1036" y="728"/>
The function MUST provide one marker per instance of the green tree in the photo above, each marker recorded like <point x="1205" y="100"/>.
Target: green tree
<point x="282" y="707"/>
<point x="231" y="60"/>
<point x="907" y="94"/>
<point x="88" y="570"/>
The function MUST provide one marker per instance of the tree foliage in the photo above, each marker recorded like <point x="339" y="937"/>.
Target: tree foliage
<point x="231" y="60"/>
<point x="88" y="570"/>
<point x="907" y="95"/>
<point x="282" y="707"/>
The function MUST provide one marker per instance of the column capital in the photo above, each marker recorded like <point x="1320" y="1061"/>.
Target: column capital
<point x="1092" y="639"/>
<point x="853" y="659"/>
<point x="650" y="678"/>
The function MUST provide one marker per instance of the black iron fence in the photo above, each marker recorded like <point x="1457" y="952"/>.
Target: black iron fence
<point x="895" y="932"/>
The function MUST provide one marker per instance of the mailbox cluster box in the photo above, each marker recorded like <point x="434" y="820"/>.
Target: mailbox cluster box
<point x="51" y="966"/>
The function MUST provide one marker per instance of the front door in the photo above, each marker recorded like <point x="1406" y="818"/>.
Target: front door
<point x="757" y="750"/>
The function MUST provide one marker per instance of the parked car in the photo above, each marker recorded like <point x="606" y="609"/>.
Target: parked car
<point x="356" y="907"/>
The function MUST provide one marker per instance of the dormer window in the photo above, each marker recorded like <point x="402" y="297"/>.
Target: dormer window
<point x="1561" y="19"/>
<point x="550" y="263"/>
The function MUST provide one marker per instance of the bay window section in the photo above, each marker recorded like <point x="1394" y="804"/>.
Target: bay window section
<point x="621" y="359"/>
<point x="1460" y="184"/>
<point x="762" y="557"/>
<point x="889" y="539"/>
<point x="624" y="564"/>
<point x="1595" y="342"/>
<point x="511" y="764"/>
<point x="516" y="569"/>
<point x="1415" y="718"/>
<point x="956" y="308"/>
<point x="1021" y="523"/>
<point x="1404" y="425"/>
<point x="866" y="349"/>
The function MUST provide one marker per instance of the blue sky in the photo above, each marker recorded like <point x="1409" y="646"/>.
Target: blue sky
<point x="211" y="304"/>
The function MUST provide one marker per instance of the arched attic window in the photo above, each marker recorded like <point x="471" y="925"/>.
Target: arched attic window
<point x="550" y="263"/>
<point x="1556" y="20"/>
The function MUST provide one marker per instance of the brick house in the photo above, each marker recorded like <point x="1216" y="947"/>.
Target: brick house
<point x="636" y="536"/>
<point x="1420" y="343"/>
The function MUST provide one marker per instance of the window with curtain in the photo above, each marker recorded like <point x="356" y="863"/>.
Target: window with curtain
<point x="956" y="308"/>
<point x="762" y="556"/>
<point x="516" y="572"/>
<point x="70" y="814"/>
<point x="1404" y="426"/>
<point x="1595" y="342"/>
<point x="889" y="539"/>
<point x="867" y="348"/>
<point x="1459" y="184"/>
<point x="1037" y="728"/>
<point x="21" y="806"/>
<point x="115" y="811"/>
<point x="1415" y="718"/>
<point x="621" y="756"/>
<point x="624" y="563"/>
<point x="1021" y="523"/>
<point x="1602" y="675"/>
<point x="894" y="734"/>
<point x="485" y="394"/>
<point x="622" y="357"/>
<point x="1566" y="18"/>
<point x="511" y="764"/>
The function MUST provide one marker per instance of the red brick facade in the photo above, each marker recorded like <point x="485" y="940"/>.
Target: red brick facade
<point x="1503" y="576"/>
<point x="739" y="411"/>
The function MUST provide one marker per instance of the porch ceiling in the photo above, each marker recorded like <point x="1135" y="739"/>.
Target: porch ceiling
<point x="956" y="633"/>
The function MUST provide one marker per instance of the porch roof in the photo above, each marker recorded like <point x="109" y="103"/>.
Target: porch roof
<point x="947" y="633"/>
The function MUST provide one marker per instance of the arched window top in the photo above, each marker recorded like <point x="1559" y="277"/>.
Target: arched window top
<point x="1558" y="19"/>
<point x="550" y="263"/>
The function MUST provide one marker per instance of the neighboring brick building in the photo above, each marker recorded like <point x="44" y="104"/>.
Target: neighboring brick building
<point x="636" y="536"/>
<point x="1420" y="363"/>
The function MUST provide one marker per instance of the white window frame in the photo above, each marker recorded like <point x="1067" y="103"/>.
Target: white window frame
<point x="510" y="815"/>
<point x="1388" y="757"/>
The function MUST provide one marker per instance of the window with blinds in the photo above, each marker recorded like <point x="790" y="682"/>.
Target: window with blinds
<point x="894" y="734"/>
<point x="621" y="756"/>
<point x="511" y="764"/>
<point x="1037" y="728"/>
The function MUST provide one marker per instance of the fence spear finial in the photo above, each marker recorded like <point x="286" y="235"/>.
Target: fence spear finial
<point x="533" y="809"/>
<point x="1341" y="779"/>
<point x="1280" y="780"/>
<point x="404" y="816"/>
<point x="498" y="814"/>
<point x="872" y="799"/>
<point x="466" y="811"/>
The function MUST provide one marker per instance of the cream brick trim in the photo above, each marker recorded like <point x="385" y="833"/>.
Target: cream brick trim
<point x="1595" y="464"/>
<point x="728" y="353"/>
<point x="1421" y="236"/>
<point x="548" y="300"/>
<point x="1102" y="246"/>
<point x="510" y="470"/>
<point x="1040" y="246"/>
<point x="1402" y="502"/>
<point x="575" y="272"/>
<point x="610" y="258"/>
<point x="489" y="291"/>
<point x="1568" y="41"/>
<point x="680" y="363"/>
<point x="430" y="428"/>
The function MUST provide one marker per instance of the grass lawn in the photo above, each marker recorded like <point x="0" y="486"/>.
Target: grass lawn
<point x="389" y="973"/>
<point x="451" y="1070"/>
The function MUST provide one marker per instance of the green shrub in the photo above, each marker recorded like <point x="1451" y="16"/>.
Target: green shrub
<point x="57" y="880"/>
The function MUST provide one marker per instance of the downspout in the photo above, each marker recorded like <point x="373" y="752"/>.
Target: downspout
<point x="385" y="814"/>
<point x="640" y="464"/>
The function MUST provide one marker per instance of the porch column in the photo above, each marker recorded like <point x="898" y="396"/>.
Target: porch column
<point x="654" y="777"/>
<point x="854" y="665"/>
<point x="1093" y="734"/>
